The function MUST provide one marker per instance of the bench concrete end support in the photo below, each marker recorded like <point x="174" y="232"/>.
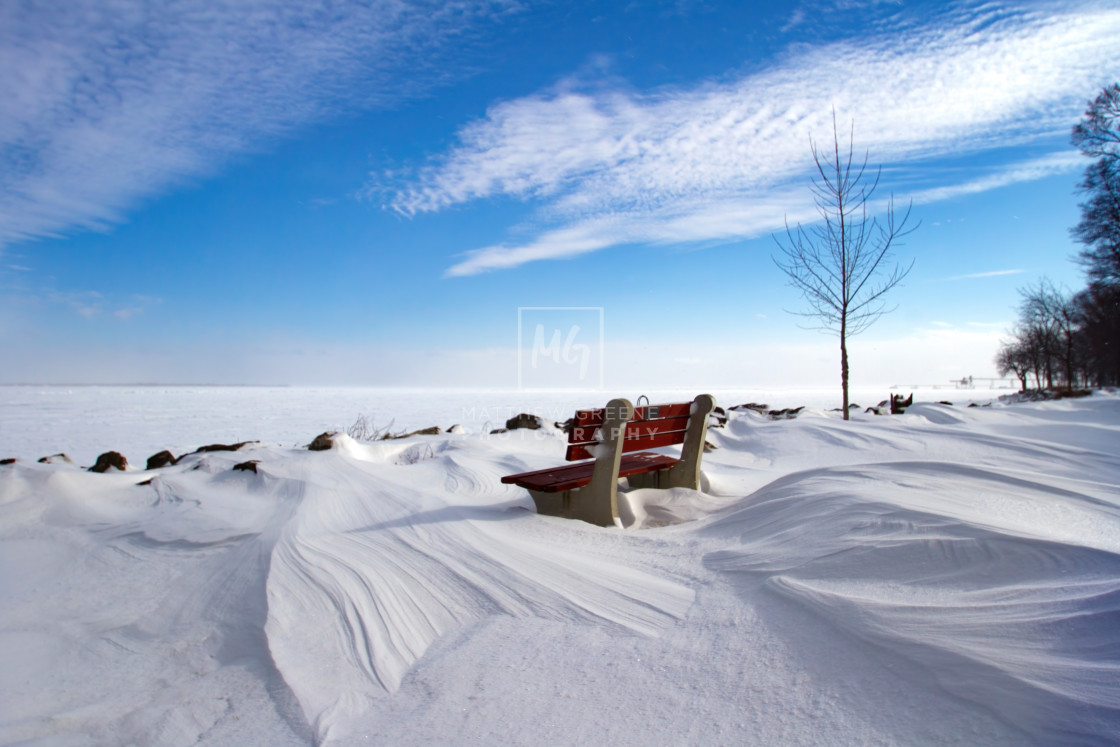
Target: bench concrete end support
<point x="552" y="504"/>
<point x="686" y="473"/>
<point x="597" y="502"/>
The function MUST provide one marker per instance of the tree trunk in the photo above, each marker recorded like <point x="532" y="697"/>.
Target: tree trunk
<point x="1069" y="359"/>
<point x="844" y="369"/>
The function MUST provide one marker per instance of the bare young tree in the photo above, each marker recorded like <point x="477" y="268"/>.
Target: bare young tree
<point x="841" y="263"/>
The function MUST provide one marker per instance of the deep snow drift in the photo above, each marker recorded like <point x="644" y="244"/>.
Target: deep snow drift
<point x="949" y="575"/>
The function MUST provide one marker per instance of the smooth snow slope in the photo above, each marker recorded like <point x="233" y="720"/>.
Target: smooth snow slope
<point x="947" y="576"/>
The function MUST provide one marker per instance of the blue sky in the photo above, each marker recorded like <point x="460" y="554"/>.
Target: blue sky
<point x="233" y="192"/>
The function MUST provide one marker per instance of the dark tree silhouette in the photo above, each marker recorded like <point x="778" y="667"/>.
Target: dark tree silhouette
<point x="841" y="264"/>
<point x="1051" y="317"/>
<point x="1076" y="339"/>
<point x="1098" y="136"/>
<point x="1098" y="315"/>
<point x="1013" y="357"/>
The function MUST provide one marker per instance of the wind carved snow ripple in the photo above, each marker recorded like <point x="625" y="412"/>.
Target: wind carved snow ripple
<point x="1018" y="614"/>
<point x="372" y="571"/>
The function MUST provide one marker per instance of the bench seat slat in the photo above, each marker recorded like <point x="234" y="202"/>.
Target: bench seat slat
<point x="567" y="477"/>
<point x="634" y="429"/>
<point x="585" y="418"/>
<point x="672" y="438"/>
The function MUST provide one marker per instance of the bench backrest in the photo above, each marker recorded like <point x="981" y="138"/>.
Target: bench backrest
<point x="651" y="426"/>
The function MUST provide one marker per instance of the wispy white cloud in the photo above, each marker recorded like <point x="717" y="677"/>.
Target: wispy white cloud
<point x="1038" y="168"/>
<point x="104" y="104"/>
<point x="720" y="160"/>
<point x="992" y="274"/>
<point x="86" y="304"/>
<point x="796" y="18"/>
<point x="719" y="218"/>
<point x="91" y="304"/>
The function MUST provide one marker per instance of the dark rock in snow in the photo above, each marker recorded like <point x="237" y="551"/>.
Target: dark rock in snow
<point x="56" y="459"/>
<point x="7" y="461"/>
<point x="162" y="459"/>
<point x="322" y="442"/>
<point x="523" y="420"/>
<point x="434" y="430"/>
<point x="787" y="414"/>
<point x="567" y="425"/>
<point x="499" y="430"/>
<point x="109" y="460"/>
<point x="709" y="446"/>
<point x="760" y="409"/>
<point x="249" y="466"/>
<point x="879" y="409"/>
<point x="899" y="403"/>
<point x="221" y="447"/>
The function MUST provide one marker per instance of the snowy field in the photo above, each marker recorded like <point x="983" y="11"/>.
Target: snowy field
<point x="948" y="576"/>
<point x="138" y="421"/>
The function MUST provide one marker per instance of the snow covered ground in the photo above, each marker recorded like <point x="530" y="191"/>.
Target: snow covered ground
<point x="951" y="575"/>
<point x="138" y="421"/>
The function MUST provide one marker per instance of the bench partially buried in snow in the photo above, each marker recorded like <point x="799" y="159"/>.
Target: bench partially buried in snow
<point x="603" y="440"/>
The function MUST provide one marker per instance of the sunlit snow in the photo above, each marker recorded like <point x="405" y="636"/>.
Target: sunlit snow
<point x="951" y="575"/>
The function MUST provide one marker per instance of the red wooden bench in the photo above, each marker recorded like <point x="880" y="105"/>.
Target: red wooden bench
<point x="604" y="439"/>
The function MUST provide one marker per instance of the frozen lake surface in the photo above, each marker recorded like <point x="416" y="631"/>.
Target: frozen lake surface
<point x="138" y="421"/>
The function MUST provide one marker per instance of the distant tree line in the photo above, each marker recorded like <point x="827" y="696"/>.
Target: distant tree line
<point x="1073" y="339"/>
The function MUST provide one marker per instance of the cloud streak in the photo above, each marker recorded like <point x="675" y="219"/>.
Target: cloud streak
<point x="105" y="104"/>
<point x="727" y="160"/>
<point x="992" y="274"/>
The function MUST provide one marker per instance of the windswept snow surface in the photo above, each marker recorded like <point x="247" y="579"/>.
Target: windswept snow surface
<point x="951" y="575"/>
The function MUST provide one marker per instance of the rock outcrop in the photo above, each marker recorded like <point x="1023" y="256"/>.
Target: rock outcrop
<point x="162" y="459"/>
<point x="433" y="430"/>
<point x="322" y="442"/>
<point x="109" y="460"/>
<point x="222" y="447"/>
<point x="900" y="403"/>
<point x="523" y="420"/>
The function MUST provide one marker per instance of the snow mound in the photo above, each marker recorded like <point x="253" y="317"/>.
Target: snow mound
<point x="372" y="569"/>
<point x="1007" y="589"/>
